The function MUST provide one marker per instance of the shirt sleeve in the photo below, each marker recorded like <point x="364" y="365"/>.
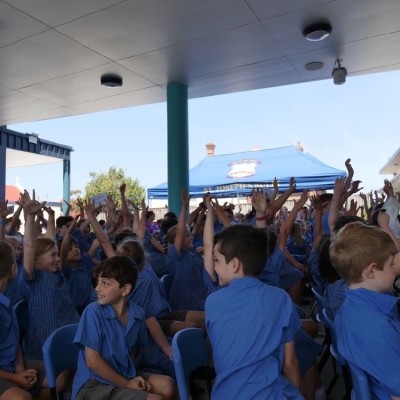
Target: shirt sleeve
<point x="90" y="330"/>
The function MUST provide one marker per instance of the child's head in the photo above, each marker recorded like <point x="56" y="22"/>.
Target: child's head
<point x="187" y="241"/>
<point x="16" y="243"/>
<point x="61" y="224"/>
<point x="240" y="245"/>
<point x="7" y="261"/>
<point x="357" y="247"/>
<point x="46" y="254"/>
<point x="133" y="249"/>
<point x="119" y="271"/>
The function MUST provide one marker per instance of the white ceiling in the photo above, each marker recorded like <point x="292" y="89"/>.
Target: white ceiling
<point x="53" y="52"/>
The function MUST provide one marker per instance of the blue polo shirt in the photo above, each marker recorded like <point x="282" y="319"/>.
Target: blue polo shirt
<point x="248" y="324"/>
<point x="334" y="295"/>
<point x="368" y="336"/>
<point x="272" y="268"/>
<point x="8" y="335"/>
<point x="188" y="289"/>
<point x="49" y="307"/>
<point x="101" y="330"/>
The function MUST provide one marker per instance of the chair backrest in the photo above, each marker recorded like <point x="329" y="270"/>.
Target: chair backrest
<point x="361" y="388"/>
<point x="21" y="312"/>
<point x="166" y="282"/>
<point x="189" y="353"/>
<point x="319" y="298"/>
<point x="59" y="353"/>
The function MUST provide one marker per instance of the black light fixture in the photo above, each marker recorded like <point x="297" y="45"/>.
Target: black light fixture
<point x="317" y="32"/>
<point x="339" y="73"/>
<point x="111" y="80"/>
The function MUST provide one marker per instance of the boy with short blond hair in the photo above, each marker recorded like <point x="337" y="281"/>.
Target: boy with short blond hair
<point x="367" y="323"/>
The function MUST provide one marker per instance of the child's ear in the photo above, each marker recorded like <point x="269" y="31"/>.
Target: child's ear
<point x="127" y="289"/>
<point x="369" y="272"/>
<point x="236" y="265"/>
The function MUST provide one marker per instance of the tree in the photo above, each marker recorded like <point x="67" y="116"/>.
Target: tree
<point x="110" y="182"/>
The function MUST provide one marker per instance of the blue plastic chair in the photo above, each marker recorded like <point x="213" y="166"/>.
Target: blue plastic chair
<point x="189" y="354"/>
<point x="59" y="354"/>
<point x="361" y="388"/>
<point x="320" y="303"/>
<point x="340" y="365"/>
<point x="21" y="312"/>
<point x="166" y="283"/>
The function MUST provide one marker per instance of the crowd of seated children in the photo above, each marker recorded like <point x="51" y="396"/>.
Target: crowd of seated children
<point x="64" y="281"/>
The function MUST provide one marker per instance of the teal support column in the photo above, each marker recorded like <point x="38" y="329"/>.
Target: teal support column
<point x="66" y="184"/>
<point x="178" y="144"/>
<point x="3" y="150"/>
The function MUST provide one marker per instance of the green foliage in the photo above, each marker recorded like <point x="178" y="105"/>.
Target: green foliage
<point x="110" y="183"/>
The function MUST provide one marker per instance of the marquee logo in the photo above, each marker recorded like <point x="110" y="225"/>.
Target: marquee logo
<point x="243" y="168"/>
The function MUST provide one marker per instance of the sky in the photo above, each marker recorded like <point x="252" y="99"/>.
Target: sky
<point x="358" y="120"/>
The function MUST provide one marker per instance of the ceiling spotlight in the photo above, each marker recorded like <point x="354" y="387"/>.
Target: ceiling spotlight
<point x="317" y="32"/>
<point x="339" y="73"/>
<point x="111" y="81"/>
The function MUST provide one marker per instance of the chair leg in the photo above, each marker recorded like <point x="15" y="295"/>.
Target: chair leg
<point x="332" y="384"/>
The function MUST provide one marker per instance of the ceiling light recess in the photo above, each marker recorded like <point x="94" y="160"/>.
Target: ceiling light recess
<point x="317" y="32"/>
<point x="111" y="80"/>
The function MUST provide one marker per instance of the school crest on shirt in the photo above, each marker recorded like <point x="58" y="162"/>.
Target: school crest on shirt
<point x="243" y="168"/>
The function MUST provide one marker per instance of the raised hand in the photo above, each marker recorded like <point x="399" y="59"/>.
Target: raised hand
<point x="4" y="209"/>
<point x="89" y="207"/>
<point x="185" y="198"/>
<point x="122" y="188"/>
<point x="31" y="206"/>
<point x="259" y="200"/>
<point x="49" y="210"/>
<point x="110" y="204"/>
<point x="316" y="203"/>
<point x="388" y="189"/>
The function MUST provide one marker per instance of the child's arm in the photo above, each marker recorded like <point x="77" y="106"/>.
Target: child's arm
<point x="3" y="215"/>
<point x="291" y="369"/>
<point x="51" y="223"/>
<point x="317" y="204"/>
<point x="15" y="218"/>
<point x="124" y="207"/>
<point x="65" y="244"/>
<point x="158" y="335"/>
<point x="96" y="363"/>
<point x="31" y="207"/>
<point x="199" y="221"/>
<point x="181" y="227"/>
<point x="383" y="222"/>
<point x="90" y="210"/>
<point x="339" y="191"/>
<point x="141" y="226"/>
<point x="280" y="201"/>
<point x="68" y="210"/>
<point x="287" y="225"/>
<point x="208" y="240"/>
<point x="259" y="203"/>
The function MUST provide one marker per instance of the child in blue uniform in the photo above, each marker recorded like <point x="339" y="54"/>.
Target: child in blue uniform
<point x="367" y="323"/>
<point x="188" y="289"/>
<point x="42" y="285"/>
<point x="108" y="334"/>
<point x="251" y="326"/>
<point x="19" y="378"/>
